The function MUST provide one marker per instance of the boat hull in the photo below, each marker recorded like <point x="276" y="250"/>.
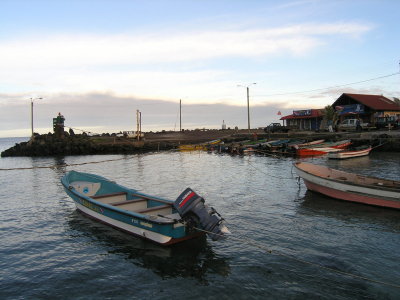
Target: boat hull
<point x="349" y="154"/>
<point x="322" y="149"/>
<point x="348" y="191"/>
<point x="133" y="230"/>
<point x="316" y="151"/>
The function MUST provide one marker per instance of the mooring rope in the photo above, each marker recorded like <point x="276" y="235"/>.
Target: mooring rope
<point x="275" y="155"/>
<point x="278" y="177"/>
<point x="270" y="251"/>
<point x="66" y="165"/>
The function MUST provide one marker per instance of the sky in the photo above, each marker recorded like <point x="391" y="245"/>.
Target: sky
<point x="98" y="61"/>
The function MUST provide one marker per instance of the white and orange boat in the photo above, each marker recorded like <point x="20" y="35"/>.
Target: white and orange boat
<point x="312" y="143"/>
<point x="321" y="149"/>
<point x="349" y="186"/>
<point x="345" y="154"/>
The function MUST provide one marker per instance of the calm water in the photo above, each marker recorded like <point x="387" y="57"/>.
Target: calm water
<point x="50" y="251"/>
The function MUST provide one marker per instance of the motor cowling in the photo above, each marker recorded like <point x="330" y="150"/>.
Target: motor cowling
<point x="195" y="213"/>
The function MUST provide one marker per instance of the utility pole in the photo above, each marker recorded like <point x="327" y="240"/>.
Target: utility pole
<point x="248" y="104"/>
<point x="32" y="113"/>
<point x="180" y="115"/>
<point x="32" y="117"/>
<point x="138" y="124"/>
<point x="248" y="110"/>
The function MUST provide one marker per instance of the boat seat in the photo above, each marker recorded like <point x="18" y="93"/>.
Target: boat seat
<point x="127" y="202"/>
<point x="110" y="198"/>
<point x="108" y="195"/>
<point x="151" y="198"/>
<point x="131" y="205"/>
<point x="154" y="208"/>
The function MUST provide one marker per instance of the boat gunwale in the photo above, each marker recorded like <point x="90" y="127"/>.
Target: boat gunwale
<point x="169" y="243"/>
<point x="349" y="154"/>
<point x="374" y="187"/>
<point x="327" y="144"/>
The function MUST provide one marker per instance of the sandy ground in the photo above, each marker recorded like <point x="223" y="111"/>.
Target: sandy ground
<point x="195" y="136"/>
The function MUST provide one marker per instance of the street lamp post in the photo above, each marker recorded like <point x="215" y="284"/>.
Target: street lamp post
<point x="32" y="112"/>
<point x="248" y="104"/>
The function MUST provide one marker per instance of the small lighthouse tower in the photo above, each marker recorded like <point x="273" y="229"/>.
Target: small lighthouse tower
<point x="58" y="125"/>
<point x="223" y="125"/>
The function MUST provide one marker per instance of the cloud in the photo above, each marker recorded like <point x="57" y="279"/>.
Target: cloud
<point x="103" y="112"/>
<point x="163" y="65"/>
<point x="66" y="51"/>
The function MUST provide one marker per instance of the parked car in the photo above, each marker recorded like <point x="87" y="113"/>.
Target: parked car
<point x="391" y="122"/>
<point x="353" y="124"/>
<point x="276" y="127"/>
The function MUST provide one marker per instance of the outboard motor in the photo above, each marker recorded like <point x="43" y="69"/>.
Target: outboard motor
<point x="191" y="208"/>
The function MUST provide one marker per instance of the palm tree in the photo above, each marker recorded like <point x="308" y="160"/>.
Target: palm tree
<point x="330" y="115"/>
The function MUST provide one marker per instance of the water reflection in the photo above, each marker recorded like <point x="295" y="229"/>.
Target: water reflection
<point x="359" y="162"/>
<point x="190" y="259"/>
<point x="59" y="165"/>
<point x="319" y="205"/>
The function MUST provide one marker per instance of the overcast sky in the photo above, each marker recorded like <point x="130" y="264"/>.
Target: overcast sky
<point x="97" y="62"/>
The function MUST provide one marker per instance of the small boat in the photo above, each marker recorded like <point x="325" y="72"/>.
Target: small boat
<point x="277" y="143"/>
<point x="156" y="219"/>
<point x="295" y="143"/>
<point x="312" y="143"/>
<point x="321" y="149"/>
<point x="349" y="186"/>
<point x="356" y="152"/>
<point x="199" y="147"/>
<point x="255" y="142"/>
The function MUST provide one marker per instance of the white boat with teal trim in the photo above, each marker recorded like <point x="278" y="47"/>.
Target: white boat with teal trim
<point x="159" y="220"/>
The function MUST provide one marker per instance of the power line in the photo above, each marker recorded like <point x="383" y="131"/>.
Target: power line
<point x="327" y="88"/>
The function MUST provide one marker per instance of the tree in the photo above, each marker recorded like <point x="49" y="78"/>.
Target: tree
<point x="330" y="116"/>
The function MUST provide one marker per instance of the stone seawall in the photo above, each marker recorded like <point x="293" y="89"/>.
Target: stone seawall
<point x="49" y="145"/>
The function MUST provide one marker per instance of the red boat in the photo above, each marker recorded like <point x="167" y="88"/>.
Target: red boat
<point x="349" y="186"/>
<point x="321" y="149"/>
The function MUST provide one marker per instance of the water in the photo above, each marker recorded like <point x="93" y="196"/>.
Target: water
<point x="50" y="251"/>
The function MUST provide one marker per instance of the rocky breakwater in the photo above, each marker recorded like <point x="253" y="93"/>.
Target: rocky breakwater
<point x="51" y="145"/>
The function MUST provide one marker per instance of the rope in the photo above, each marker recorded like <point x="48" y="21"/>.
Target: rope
<point x="83" y="130"/>
<point x="288" y="178"/>
<point x="65" y="165"/>
<point x="268" y="153"/>
<point x="379" y="145"/>
<point x="100" y="134"/>
<point x="270" y="251"/>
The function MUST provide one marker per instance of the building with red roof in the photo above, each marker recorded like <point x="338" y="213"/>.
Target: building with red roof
<point x="308" y="119"/>
<point x="368" y="108"/>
